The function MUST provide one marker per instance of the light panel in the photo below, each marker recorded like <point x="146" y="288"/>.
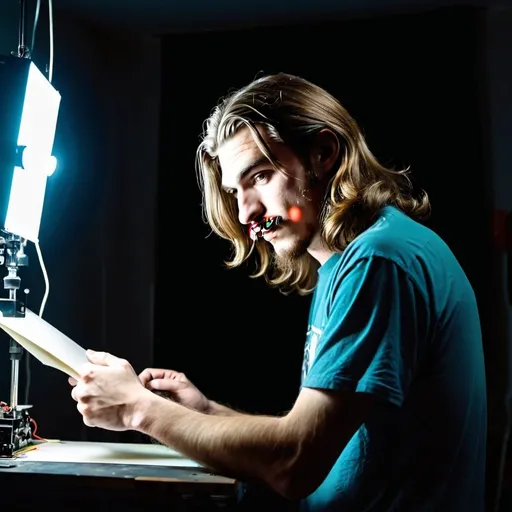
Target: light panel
<point x="35" y="142"/>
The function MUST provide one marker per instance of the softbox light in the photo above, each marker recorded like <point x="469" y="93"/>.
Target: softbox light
<point x="29" y="106"/>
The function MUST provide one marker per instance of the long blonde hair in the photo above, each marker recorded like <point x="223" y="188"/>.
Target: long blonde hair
<point x="292" y="110"/>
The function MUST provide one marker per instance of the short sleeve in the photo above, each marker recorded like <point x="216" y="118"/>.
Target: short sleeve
<point x="374" y="333"/>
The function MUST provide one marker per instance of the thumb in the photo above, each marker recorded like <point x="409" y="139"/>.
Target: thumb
<point x="101" y="358"/>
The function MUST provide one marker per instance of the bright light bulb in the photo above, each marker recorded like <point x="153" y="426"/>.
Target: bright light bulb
<point x="33" y="160"/>
<point x="52" y="165"/>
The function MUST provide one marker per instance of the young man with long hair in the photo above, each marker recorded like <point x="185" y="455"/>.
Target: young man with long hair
<point x="391" y="414"/>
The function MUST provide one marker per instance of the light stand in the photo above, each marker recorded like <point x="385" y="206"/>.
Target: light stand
<point x="29" y="106"/>
<point x="15" y="422"/>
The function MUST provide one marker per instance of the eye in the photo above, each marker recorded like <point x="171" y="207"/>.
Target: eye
<point x="261" y="177"/>
<point x="231" y="191"/>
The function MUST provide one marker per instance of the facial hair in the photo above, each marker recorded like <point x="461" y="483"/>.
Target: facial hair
<point x="286" y="260"/>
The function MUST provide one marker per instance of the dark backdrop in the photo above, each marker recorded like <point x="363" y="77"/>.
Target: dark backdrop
<point x="417" y="86"/>
<point x="413" y="87"/>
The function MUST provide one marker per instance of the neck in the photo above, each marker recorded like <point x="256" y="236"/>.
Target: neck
<point x="318" y="250"/>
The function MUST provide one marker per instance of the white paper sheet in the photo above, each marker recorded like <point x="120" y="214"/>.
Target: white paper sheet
<point x="45" y="342"/>
<point x="108" y="453"/>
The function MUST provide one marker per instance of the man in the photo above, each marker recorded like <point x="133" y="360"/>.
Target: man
<point x="391" y="415"/>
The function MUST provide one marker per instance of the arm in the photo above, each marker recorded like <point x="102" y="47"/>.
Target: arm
<point x="217" y="409"/>
<point x="366" y="349"/>
<point x="292" y="454"/>
<point x="175" y="386"/>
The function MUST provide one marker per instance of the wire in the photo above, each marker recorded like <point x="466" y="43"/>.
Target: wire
<point x="23" y="51"/>
<point x="46" y="281"/>
<point x="34" y="26"/>
<point x="38" y="248"/>
<point x="50" y="12"/>
<point x="34" y="434"/>
<point x="41" y="311"/>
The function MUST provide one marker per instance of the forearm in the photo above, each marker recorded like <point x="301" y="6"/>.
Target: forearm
<point x="240" y="445"/>
<point x="217" y="409"/>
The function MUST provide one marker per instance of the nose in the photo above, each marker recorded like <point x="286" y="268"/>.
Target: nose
<point x="250" y="207"/>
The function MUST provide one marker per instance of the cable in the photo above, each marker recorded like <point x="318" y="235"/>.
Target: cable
<point x="50" y="12"/>
<point x="34" y="432"/>
<point x="34" y="27"/>
<point x="50" y="77"/>
<point x="38" y="248"/>
<point x="41" y="310"/>
<point x="46" y="281"/>
<point x="23" y="51"/>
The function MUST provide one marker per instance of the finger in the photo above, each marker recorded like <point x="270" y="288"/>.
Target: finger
<point x="81" y="393"/>
<point x="179" y="376"/>
<point x="86" y="370"/>
<point x="102" y="358"/>
<point x="84" y="411"/>
<point x="72" y="381"/>
<point x="166" y="385"/>
<point x="154" y="373"/>
<point x="146" y="375"/>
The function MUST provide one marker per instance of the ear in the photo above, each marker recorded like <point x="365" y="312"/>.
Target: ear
<point x="324" y="152"/>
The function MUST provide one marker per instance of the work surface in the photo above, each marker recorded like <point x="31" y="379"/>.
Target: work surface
<point x="106" y="453"/>
<point x="83" y="475"/>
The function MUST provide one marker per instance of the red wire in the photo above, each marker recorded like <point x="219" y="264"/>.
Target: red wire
<point x="7" y="408"/>
<point x="32" y="420"/>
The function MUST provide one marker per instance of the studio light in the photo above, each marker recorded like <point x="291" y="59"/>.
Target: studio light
<point x="29" y="107"/>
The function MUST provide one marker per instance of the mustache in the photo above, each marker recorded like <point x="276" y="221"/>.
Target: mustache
<point x="258" y="228"/>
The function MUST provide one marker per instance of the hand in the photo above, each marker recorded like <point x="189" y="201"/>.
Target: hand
<point x="176" y="384"/>
<point x="107" y="391"/>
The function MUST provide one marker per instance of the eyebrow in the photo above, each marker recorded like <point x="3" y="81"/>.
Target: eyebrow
<point x="246" y="170"/>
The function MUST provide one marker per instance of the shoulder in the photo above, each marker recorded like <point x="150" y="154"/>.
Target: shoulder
<point x="394" y="248"/>
<point x="394" y="236"/>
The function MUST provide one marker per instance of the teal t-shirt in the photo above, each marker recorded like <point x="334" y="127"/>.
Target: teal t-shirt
<point x="395" y="316"/>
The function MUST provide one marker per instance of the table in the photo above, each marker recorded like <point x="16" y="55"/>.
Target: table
<point x="74" y="475"/>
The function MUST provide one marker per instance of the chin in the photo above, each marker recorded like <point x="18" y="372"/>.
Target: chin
<point x="291" y="244"/>
<point x="287" y="249"/>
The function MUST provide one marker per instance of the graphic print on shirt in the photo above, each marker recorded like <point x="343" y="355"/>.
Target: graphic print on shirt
<point x="312" y="337"/>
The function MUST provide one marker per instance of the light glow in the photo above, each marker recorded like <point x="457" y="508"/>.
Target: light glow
<point x="36" y="137"/>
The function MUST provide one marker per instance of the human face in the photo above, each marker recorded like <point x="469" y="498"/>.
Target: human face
<point x="261" y="191"/>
